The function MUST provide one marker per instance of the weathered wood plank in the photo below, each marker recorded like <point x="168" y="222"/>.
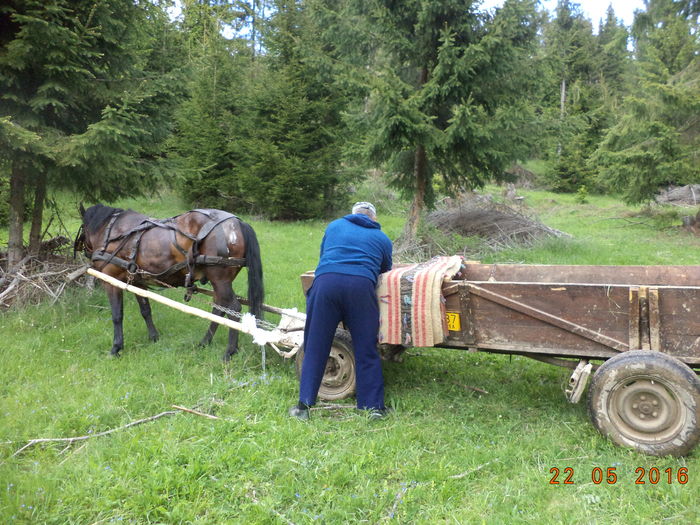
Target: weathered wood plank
<point x="621" y="275"/>
<point x="536" y="313"/>
<point x="634" y="339"/>
<point x="654" y="320"/>
<point x="645" y="342"/>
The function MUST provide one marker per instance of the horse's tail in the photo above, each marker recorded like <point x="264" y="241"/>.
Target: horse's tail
<point x="256" y="290"/>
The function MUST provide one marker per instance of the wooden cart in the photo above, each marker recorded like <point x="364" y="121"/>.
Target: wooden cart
<point x="641" y="322"/>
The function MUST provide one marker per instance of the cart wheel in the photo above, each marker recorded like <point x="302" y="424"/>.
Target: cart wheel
<point x="648" y="401"/>
<point x="339" y="378"/>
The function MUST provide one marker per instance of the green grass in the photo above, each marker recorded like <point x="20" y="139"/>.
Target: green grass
<point x="604" y="231"/>
<point x="448" y="454"/>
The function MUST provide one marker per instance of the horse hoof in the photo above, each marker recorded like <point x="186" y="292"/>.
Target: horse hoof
<point x="154" y="338"/>
<point x="114" y="354"/>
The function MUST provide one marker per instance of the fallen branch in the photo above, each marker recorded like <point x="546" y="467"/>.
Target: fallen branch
<point x="475" y="389"/>
<point x="77" y="273"/>
<point x="629" y="221"/>
<point x="33" y="279"/>
<point x="9" y="289"/>
<point x="72" y="440"/>
<point x="477" y="469"/>
<point x="18" y="276"/>
<point x="81" y="447"/>
<point x="330" y="406"/>
<point x="196" y="412"/>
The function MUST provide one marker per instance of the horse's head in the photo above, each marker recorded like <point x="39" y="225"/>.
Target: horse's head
<point x="94" y="220"/>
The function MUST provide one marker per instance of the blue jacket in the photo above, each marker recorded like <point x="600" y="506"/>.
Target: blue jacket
<point x="355" y="245"/>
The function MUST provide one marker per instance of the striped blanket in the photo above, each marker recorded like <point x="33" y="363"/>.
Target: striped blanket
<point x="411" y="307"/>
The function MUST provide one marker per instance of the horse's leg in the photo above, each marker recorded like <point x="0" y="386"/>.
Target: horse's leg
<point x="116" y="301"/>
<point x="209" y="335"/>
<point x="232" y="347"/>
<point x="224" y="296"/>
<point x="145" y="307"/>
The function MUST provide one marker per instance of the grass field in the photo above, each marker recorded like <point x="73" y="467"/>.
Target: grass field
<point x="449" y="454"/>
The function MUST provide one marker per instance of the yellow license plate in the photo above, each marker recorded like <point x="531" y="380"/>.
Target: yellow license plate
<point x="453" y="322"/>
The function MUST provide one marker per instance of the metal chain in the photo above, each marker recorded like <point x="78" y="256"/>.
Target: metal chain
<point x="260" y="323"/>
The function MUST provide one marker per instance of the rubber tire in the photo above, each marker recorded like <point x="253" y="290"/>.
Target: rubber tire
<point x="339" y="379"/>
<point x="629" y="392"/>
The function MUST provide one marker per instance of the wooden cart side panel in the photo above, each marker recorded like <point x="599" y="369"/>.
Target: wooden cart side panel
<point x="540" y="318"/>
<point x="500" y="328"/>
<point x="457" y="301"/>
<point x="598" y="313"/>
<point x="615" y="312"/>
<point x="679" y="323"/>
<point x="621" y="275"/>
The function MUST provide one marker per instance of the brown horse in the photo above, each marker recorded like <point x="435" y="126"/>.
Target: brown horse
<point x="199" y="245"/>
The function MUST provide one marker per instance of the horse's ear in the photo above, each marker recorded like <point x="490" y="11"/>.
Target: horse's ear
<point x="82" y="210"/>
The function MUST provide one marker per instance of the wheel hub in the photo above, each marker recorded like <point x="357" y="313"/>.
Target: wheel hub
<point x="646" y="410"/>
<point x="338" y="368"/>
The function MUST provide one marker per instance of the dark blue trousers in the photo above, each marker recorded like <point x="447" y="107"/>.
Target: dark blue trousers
<point x="336" y="297"/>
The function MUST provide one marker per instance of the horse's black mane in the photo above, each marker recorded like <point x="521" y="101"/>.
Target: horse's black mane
<point x="95" y="216"/>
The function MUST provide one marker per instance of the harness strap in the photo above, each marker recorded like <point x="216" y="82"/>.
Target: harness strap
<point x="137" y="244"/>
<point x="110" y="258"/>
<point x="108" y="231"/>
<point x="213" y="260"/>
<point x="107" y="239"/>
<point x="177" y="244"/>
<point x="192" y="257"/>
<point x="148" y="224"/>
<point x="209" y="227"/>
<point x="202" y="260"/>
<point x="203" y="211"/>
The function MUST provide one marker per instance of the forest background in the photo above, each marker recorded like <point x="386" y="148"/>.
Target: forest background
<point x="279" y="109"/>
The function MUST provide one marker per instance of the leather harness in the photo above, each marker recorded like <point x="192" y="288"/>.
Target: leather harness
<point x="192" y="256"/>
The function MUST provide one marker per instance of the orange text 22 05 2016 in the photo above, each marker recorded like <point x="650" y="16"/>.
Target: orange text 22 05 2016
<point x="610" y="475"/>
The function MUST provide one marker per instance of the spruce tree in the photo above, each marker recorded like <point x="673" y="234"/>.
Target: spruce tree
<point x="84" y="94"/>
<point x="656" y="140"/>
<point x="290" y="135"/>
<point x="261" y="132"/>
<point x="215" y="85"/>
<point x="571" y="104"/>
<point x="445" y="88"/>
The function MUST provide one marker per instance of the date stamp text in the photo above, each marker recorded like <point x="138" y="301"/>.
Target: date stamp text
<point x="610" y="476"/>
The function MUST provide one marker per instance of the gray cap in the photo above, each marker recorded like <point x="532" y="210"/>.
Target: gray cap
<point x="359" y="206"/>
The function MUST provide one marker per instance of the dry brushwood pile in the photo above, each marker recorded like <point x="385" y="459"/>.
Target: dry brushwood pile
<point x="497" y="225"/>
<point x="44" y="276"/>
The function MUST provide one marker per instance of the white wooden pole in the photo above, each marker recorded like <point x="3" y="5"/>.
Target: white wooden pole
<point x="169" y="302"/>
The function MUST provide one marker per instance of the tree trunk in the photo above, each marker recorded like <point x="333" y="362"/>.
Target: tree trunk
<point x="15" y="244"/>
<point x="562" y="111"/>
<point x="562" y="99"/>
<point x="420" y="174"/>
<point x="254" y="28"/>
<point x="37" y="214"/>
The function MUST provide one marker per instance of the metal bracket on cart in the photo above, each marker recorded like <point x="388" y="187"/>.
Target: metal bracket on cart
<point x="578" y="381"/>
